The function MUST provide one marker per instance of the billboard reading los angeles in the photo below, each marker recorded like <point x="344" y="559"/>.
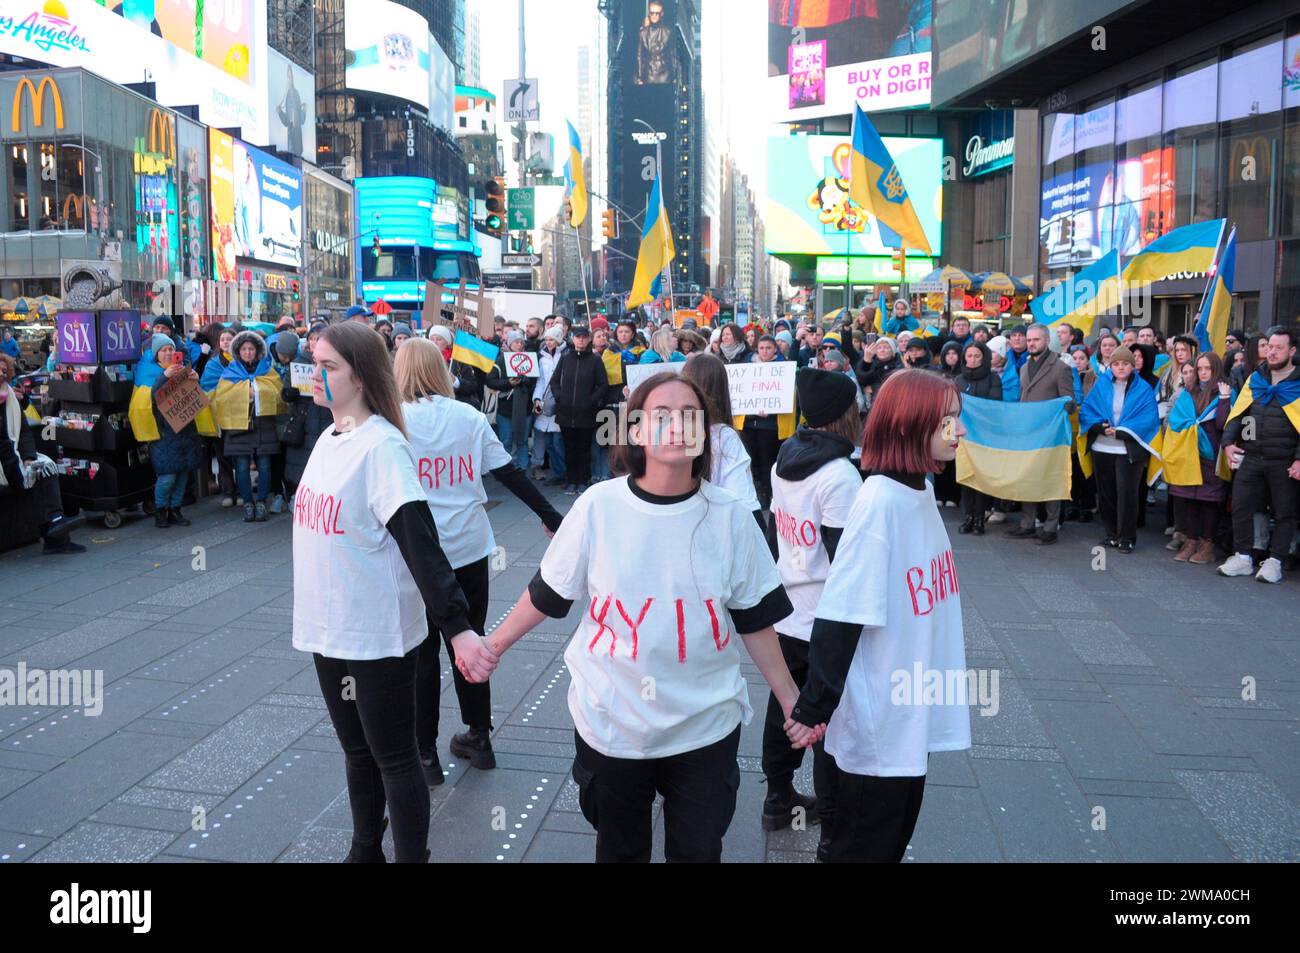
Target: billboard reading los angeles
<point x="825" y="57"/>
<point x="808" y="208"/>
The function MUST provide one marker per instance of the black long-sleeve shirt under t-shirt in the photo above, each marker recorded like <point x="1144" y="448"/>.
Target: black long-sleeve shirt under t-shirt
<point x="831" y="648"/>
<point x="413" y="528"/>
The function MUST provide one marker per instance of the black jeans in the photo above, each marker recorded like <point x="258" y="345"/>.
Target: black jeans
<point x="475" y="700"/>
<point x="762" y="445"/>
<point x="577" y="453"/>
<point x="372" y="706"/>
<point x="780" y="761"/>
<point x="974" y="503"/>
<point x="699" y="788"/>
<point x="1255" y="481"/>
<point x="1083" y="493"/>
<point x="46" y="501"/>
<point x="874" y="817"/>
<point x="1118" y="485"/>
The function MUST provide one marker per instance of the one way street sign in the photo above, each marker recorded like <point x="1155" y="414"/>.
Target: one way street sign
<point x="521" y="101"/>
<point x="520" y="261"/>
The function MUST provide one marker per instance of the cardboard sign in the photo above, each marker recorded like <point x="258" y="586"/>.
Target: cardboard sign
<point x="762" y="388"/>
<point x="180" y="400"/>
<point x="637" y="374"/>
<point x="300" y="377"/>
<point x="470" y="309"/>
<point x="521" y="364"/>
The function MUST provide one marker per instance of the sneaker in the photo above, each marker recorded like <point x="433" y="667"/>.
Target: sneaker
<point x="61" y="526"/>
<point x="1110" y="542"/>
<point x="227" y="502"/>
<point x="277" y="504"/>
<point x="250" y="513"/>
<point x="1270" y="572"/>
<point x="1187" y="551"/>
<point x="475" y="745"/>
<point x="779" y="809"/>
<point x="1177" y="543"/>
<point x="61" y="547"/>
<point x="1125" y="546"/>
<point x="239" y="501"/>
<point x="177" y="518"/>
<point x="570" y="490"/>
<point x="1046" y="539"/>
<point x="259" y="512"/>
<point x="432" y="768"/>
<point x="538" y="475"/>
<point x="1204" y="554"/>
<point x="1022" y="532"/>
<point x="1170" y="531"/>
<point x="996" y="517"/>
<point x="1237" y="565"/>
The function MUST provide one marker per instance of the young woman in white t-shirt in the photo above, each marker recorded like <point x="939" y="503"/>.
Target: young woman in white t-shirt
<point x="453" y="445"/>
<point x="732" y="469"/>
<point x="886" y="663"/>
<point x="367" y="568"/>
<point x="814" y="484"/>
<point x="673" y="574"/>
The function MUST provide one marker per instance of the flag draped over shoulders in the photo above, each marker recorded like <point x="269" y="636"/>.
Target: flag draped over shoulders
<point x="1139" y="418"/>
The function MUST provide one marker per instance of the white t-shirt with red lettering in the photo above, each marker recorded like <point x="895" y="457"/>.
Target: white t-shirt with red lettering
<point x="354" y="598"/>
<point x="906" y="691"/>
<point x="453" y="445"/>
<point x="799" y="511"/>
<point x="656" y="658"/>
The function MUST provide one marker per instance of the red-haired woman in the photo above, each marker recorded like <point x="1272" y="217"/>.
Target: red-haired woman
<point x="887" y="627"/>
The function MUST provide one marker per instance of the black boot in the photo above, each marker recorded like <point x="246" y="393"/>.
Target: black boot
<point x="160" y="519"/>
<point x="476" y="745"/>
<point x="176" y="518"/>
<point x="967" y="526"/>
<point x="979" y="526"/>
<point x="432" y="768"/>
<point x="361" y="854"/>
<point x="781" y="803"/>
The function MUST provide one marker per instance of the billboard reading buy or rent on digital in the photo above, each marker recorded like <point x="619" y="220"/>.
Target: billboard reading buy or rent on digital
<point x="825" y="58"/>
<point x="808" y="208"/>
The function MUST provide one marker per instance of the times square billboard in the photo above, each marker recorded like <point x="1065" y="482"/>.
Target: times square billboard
<point x="826" y="57"/>
<point x="650" y="57"/>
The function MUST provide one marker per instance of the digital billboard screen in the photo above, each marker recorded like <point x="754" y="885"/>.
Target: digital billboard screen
<point x="291" y="107"/>
<point x="808" y="208"/>
<point x="221" y="175"/>
<point x="651" y="36"/>
<point x="224" y="39"/>
<point x="825" y="58"/>
<point x="388" y="50"/>
<point x="268" y="207"/>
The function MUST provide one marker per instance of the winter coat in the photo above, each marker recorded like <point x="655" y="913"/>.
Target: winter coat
<point x="579" y="386"/>
<point x="981" y="382"/>
<point x="1276" y="438"/>
<point x="546" y="364"/>
<point x="1213" y="488"/>
<point x="251" y="397"/>
<point x="314" y="421"/>
<point x="1051" y="380"/>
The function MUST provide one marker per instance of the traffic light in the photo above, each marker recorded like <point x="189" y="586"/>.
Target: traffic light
<point x="900" y="262"/>
<point x="609" y="226"/>
<point x="374" y="245"/>
<point x="496" y="207"/>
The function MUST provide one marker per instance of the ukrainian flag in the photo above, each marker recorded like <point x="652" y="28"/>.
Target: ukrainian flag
<point x="1212" y="326"/>
<point x="876" y="184"/>
<point x="1016" y="451"/>
<point x="882" y="309"/>
<point x="144" y="425"/>
<point x="1183" y="444"/>
<point x="1190" y="248"/>
<point x="657" y="249"/>
<point x="1139" y="417"/>
<point x="1259" y="387"/>
<point x="575" y="178"/>
<point x="1079" y="300"/>
<point x="476" y="353"/>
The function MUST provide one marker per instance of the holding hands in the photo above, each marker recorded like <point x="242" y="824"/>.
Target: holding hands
<point x="474" y="658"/>
<point x="801" y="736"/>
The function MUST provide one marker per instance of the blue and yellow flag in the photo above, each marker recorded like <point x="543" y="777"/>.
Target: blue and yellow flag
<point x="144" y="425"/>
<point x="876" y="184"/>
<point x="1081" y="299"/>
<point x="882" y="309"/>
<point x="1139" y="417"/>
<point x="575" y="178"/>
<point x="1183" y="444"/>
<point x="1016" y="451"/>
<point x="657" y="249"/>
<point x="1260" y="387"/>
<point x="475" y="352"/>
<point x="1212" y="325"/>
<point x="1190" y="248"/>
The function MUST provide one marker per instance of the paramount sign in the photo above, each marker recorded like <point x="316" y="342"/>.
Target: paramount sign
<point x="981" y="158"/>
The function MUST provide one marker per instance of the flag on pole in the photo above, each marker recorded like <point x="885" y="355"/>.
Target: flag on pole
<point x="474" y="352"/>
<point x="876" y="184"/>
<point x="1190" y="248"/>
<point x="1078" y="300"/>
<point x="882" y="311"/>
<point x="657" y="249"/>
<point x="575" y="179"/>
<point x="1212" y="325"/>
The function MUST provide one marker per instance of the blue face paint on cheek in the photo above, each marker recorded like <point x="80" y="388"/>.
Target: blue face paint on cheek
<point x="325" y="380"/>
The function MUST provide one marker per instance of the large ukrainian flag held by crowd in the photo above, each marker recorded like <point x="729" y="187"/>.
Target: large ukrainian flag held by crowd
<point x="1190" y="248"/>
<point x="657" y="250"/>
<point x="1212" y="325"/>
<point x="1016" y="451"/>
<point x="1079" y="300"/>
<point x="476" y="353"/>
<point x="876" y="184"/>
<point x="576" y="179"/>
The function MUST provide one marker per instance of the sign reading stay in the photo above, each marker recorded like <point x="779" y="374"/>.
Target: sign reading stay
<point x="300" y="377"/>
<point x="762" y="388"/>
<point x="180" y="400"/>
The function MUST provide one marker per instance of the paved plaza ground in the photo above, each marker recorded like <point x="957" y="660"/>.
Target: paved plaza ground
<point x="1122" y="733"/>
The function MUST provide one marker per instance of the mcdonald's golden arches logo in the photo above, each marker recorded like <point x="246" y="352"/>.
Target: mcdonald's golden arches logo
<point x="38" y="102"/>
<point x="74" y="201"/>
<point x="162" y="134"/>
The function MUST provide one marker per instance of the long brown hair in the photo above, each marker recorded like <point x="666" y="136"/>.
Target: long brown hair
<point x="630" y="458"/>
<point x="365" y="351"/>
<point x="1204" y="394"/>
<point x="710" y="375"/>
